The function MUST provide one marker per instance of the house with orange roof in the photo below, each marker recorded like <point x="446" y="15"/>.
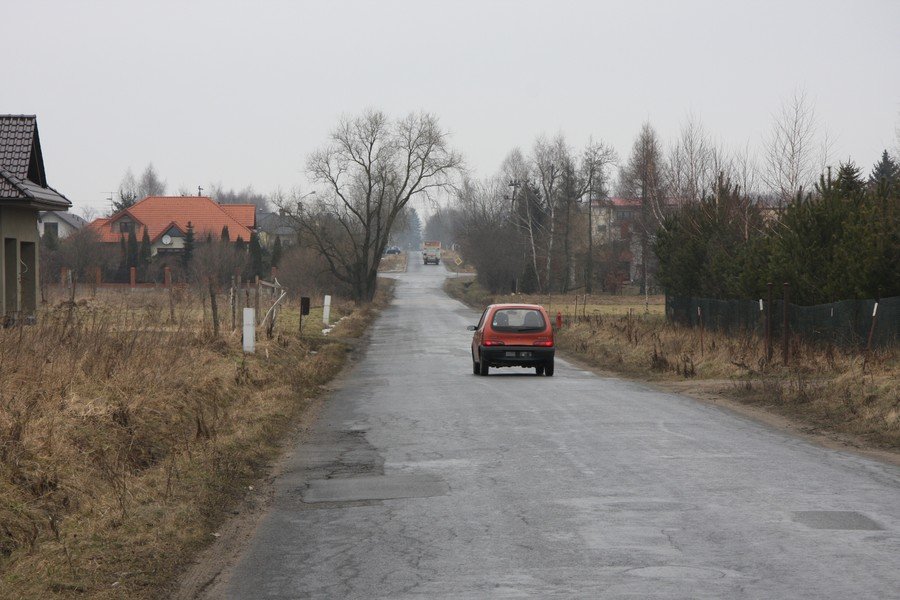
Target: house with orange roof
<point x="167" y="218"/>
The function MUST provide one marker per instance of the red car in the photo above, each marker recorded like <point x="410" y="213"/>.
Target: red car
<point x="513" y="335"/>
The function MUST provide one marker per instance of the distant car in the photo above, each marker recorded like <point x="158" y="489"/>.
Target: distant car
<point x="392" y="250"/>
<point x="513" y="335"/>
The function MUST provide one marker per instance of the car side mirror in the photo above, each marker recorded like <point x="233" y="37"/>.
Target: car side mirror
<point x="472" y="327"/>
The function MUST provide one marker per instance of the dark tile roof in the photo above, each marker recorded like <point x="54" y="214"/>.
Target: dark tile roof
<point x="16" y="140"/>
<point x="70" y="218"/>
<point x="22" y="165"/>
<point x="275" y="224"/>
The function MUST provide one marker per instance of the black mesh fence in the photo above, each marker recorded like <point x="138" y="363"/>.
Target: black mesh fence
<point x="847" y="323"/>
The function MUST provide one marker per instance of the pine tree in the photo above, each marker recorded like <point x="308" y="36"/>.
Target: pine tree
<point x="146" y="250"/>
<point x="208" y="237"/>
<point x="886" y="172"/>
<point x="133" y="250"/>
<point x="225" y="236"/>
<point x="276" y="252"/>
<point x="123" y="249"/>
<point x="188" y="252"/>
<point x="849" y="179"/>
<point x="50" y="239"/>
<point x="240" y="245"/>
<point x="256" y="256"/>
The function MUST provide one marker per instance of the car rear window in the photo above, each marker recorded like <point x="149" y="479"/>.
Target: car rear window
<point x="518" y="319"/>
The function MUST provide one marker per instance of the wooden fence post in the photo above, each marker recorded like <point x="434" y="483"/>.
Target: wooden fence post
<point x="256" y="300"/>
<point x="233" y="304"/>
<point x="214" y="307"/>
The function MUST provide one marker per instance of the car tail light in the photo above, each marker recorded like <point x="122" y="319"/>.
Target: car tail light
<point x="493" y="343"/>
<point x="543" y="342"/>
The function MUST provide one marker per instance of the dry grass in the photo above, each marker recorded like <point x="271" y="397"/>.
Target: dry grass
<point x="448" y="259"/>
<point x="826" y="387"/>
<point x="125" y="438"/>
<point x="393" y="263"/>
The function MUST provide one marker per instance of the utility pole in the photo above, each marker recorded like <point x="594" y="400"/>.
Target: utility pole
<point x="514" y="184"/>
<point x="589" y="276"/>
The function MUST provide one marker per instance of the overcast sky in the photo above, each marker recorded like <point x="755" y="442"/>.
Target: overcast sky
<point x="239" y="93"/>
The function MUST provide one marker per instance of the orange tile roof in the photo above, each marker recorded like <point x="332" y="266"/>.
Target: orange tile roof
<point x="159" y="213"/>
<point x="245" y="214"/>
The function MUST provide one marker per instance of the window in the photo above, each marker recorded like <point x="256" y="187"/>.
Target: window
<point x="481" y="320"/>
<point x="51" y="229"/>
<point x="518" y="319"/>
<point x="126" y="227"/>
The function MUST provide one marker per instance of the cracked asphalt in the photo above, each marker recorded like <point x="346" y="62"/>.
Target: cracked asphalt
<point x="421" y="480"/>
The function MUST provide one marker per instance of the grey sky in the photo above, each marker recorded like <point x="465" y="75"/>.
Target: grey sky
<point x="240" y="92"/>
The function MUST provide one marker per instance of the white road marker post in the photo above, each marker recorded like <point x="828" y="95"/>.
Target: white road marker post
<point x="326" y="310"/>
<point x="249" y="330"/>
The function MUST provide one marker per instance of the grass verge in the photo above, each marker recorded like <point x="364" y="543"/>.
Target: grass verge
<point x="125" y="440"/>
<point x="827" y="389"/>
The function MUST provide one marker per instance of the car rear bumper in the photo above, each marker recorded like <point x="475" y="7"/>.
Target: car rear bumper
<point x="522" y="356"/>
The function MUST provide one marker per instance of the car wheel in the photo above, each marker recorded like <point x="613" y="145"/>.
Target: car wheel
<point x="476" y="368"/>
<point x="548" y="369"/>
<point x="482" y="368"/>
<point x="539" y="370"/>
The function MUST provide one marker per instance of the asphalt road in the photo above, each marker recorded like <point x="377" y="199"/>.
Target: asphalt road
<point x="424" y="481"/>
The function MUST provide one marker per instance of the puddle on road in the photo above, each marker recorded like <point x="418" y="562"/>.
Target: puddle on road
<point x="379" y="487"/>
<point x="836" y="519"/>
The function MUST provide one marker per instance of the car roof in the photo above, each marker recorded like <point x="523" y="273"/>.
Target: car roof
<point x="526" y="306"/>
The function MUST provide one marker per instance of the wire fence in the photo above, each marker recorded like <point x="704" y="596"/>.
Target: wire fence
<point x="845" y="323"/>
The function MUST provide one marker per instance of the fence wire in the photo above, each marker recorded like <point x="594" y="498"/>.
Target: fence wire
<point x="846" y="323"/>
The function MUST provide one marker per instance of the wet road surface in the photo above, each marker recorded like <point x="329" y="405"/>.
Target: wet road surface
<point x="422" y="480"/>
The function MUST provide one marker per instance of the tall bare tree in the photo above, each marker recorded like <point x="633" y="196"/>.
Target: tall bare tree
<point x="790" y="149"/>
<point x="150" y="183"/>
<point x="365" y="176"/>
<point x="643" y="178"/>
<point x="596" y="161"/>
<point x="550" y="159"/>
<point x="690" y="168"/>
<point x="523" y="205"/>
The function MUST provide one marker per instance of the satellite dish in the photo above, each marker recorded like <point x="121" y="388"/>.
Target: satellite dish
<point x="166" y="240"/>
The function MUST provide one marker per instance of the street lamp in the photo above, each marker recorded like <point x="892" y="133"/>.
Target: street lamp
<point x="300" y="199"/>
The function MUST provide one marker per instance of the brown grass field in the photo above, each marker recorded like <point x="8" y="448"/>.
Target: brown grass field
<point x="125" y="436"/>
<point x="827" y="389"/>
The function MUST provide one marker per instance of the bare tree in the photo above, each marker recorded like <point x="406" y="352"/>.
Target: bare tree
<point x="243" y="196"/>
<point x="150" y="183"/>
<point x="549" y="160"/>
<point x="523" y="206"/>
<point x="790" y="161"/>
<point x="745" y="172"/>
<point x="643" y="178"/>
<point x="690" y="169"/>
<point x="127" y="192"/>
<point x="488" y="237"/>
<point x="88" y="213"/>
<point x="366" y="175"/>
<point x="596" y="161"/>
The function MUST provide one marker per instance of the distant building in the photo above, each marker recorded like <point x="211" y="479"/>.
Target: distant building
<point x="23" y="194"/>
<point x="60" y="224"/>
<point x="614" y="218"/>
<point x="166" y="218"/>
<point x="272" y="226"/>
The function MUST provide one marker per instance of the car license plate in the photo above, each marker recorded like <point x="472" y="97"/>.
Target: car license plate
<point x="518" y="354"/>
<point x="510" y="355"/>
<point x="525" y="354"/>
